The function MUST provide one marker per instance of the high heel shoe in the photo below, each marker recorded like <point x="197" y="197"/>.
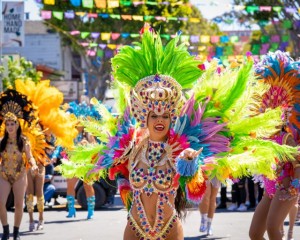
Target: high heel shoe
<point x="16" y="233"/>
<point x="91" y="207"/>
<point x="31" y="226"/>
<point x="71" y="206"/>
<point x="282" y="234"/>
<point x="203" y="225"/>
<point x="5" y="235"/>
<point x="290" y="235"/>
<point x="209" y="229"/>
<point x="40" y="225"/>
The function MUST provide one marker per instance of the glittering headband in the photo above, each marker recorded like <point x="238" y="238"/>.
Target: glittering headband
<point x="11" y="111"/>
<point x="10" y="117"/>
<point x="15" y="106"/>
<point x="157" y="93"/>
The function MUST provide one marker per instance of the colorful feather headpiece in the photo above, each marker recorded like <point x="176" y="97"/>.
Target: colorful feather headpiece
<point x="83" y="110"/>
<point x="14" y="106"/>
<point x="156" y="75"/>
<point x="281" y="73"/>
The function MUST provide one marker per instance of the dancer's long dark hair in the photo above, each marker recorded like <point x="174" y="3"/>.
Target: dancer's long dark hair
<point x="20" y="142"/>
<point x="180" y="203"/>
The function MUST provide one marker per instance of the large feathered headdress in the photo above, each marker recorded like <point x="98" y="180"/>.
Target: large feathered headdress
<point x="156" y="75"/>
<point x="48" y="100"/>
<point x="282" y="75"/>
<point x="14" y="106"/>
<point x="82" y="110"/>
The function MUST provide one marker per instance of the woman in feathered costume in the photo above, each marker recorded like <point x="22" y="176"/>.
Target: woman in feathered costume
<point x="281" y="194"/>
<point x="47" y="100"/>
<point x="16" y="156"/>
<point x="158" y="154"/>
<point x="82" y="111"/>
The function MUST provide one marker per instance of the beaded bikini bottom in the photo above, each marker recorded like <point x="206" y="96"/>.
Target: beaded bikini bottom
<point x="160" y="235"/>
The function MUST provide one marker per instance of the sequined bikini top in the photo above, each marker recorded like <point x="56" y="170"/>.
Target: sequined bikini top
<point x="151" y="179"/>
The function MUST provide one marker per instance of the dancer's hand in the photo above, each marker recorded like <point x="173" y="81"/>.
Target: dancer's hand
<point x="190" y="154"/>
<point x="34" y="169"/>
<point x="53" y="160"/>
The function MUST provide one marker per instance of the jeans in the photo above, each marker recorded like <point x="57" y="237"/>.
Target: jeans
<point x="49" y="190"/>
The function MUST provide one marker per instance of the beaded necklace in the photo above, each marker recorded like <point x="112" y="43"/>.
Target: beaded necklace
<point x="155" y="151"/>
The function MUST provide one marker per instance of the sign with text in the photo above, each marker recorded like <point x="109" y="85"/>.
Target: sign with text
<point x="68" y="88"/>
<point x="12" y="24"/>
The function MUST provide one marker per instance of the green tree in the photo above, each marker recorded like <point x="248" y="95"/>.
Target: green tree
<point x="21" y="69"/>
<point x="99" y="65"/>
<point x="282" y="20"/>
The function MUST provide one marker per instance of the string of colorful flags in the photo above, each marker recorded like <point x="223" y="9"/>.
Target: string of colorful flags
<point x="46" y="14"/>
<point x="257" y="49"/>
<point x="225" y="54"/>
<point x="112" y="3"/>
<point x="212" y="46"/>
<point x="106" y="36"/>
<point x="86" y="16"/>
<point x="119" y="3"/>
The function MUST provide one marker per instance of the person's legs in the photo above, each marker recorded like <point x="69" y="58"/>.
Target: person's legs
<point x="29" y="199"/>
<point x="223" y="198"/>
<point x="258" y="224"/>
<point x="5" y="188"/>
<point x="203" y="208"/>
<point x="19" y="189"/>
<point x="298" y="212"/>
<point x="39" y="184"/>
<point x="242" y="195"/>
<point x="260" y="192"/>
<point x="90" y="197"/>
<point x="212" y="208"/>
<point x="71" y="197"/>
<point x="71" y="186"/>
<point x="251" y="192"/>
<point x="234" y="191"/>
<point x="49" y="190"/>
<point x="278" y="211"/>
<point x="292" y="220"/>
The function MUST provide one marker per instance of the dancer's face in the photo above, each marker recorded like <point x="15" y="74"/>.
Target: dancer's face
<point x="158" y="126"/>
<point x="11" y="127"/>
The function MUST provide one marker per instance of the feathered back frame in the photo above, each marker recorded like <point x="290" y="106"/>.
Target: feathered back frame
<point x="281" y="72"/>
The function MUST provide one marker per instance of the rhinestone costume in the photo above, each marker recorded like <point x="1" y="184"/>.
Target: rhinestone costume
<point x="151" y="174"/>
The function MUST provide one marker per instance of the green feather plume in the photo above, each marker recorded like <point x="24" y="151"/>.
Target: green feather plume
<point x="252" y="156"/>
<point x="249" y="101"/>
<point x="84" y="153"/>
<point x="150" y="57"/>
<point x="238" y="87"/>
<point x="281" y="152"/>
<point x="81" y="162"/>
<point x="263" y="125"/>
<point x="102" y="130"/>
<point x="121" y="95"/>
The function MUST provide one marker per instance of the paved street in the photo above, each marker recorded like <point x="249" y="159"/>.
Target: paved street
<point x="109" y="224"/>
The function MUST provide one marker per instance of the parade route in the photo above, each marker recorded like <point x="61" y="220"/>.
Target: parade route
<point x="109" y="223"/>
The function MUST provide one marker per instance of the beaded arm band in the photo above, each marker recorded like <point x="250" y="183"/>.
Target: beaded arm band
<point x="188" y="167"/>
